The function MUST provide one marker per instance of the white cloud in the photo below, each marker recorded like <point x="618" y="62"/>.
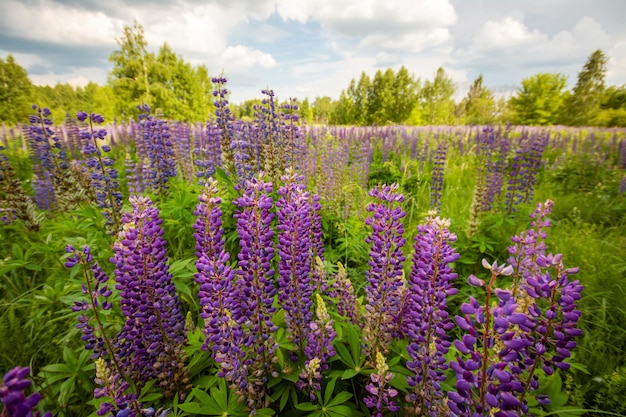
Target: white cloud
<point x="51" y="22"/>
<point x="242" y="58"/>
<point x="387" y="25"/>
<point x="507" y="33"/>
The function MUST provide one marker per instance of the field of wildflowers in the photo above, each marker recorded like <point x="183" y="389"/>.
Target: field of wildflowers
<point x="270" y="268"/>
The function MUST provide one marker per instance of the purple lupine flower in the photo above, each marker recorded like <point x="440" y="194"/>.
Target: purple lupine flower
<point x="182" y="150"/>
<point x="45" y="143"/>
<point x="207" y="154"/>
<point x="381" y="396"/>
<point x="294" y="249"/>
<point x="436" y="182"/>
<point x="12" y="397"/>
<point x="98" y="293"/>
<point x="384" y="275"/>
<point x="255" y="308"/>
<point x="224" y="122"/>
<point x="480" y="373"/>
<point x="218" y="294"/>
<point x="154" y="330"/>
<point x="319" y="349"/>
<point x="529" y="245"/>
<point x="224" y="336"/>
<point x="426" y="321"/>
<point x="113" y="385"/>
<point x="342" y="291"/>
<point x="293" y="138"/>
<point x="209" y="233"/>
<point x="134" y="179"/>
<point x="16" y="204"/>
<point x="157" y="140"/>
<point x="103" y="175"/>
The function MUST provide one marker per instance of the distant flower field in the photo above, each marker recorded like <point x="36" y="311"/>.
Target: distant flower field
<point x="267" y="267"/>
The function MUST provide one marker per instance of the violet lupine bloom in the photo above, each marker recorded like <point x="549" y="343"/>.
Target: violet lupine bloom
<point x="157" y="140"/>
<point x="319" y="349"/>
<point x="154" y="328"/>
<point x="426" y="320"/>
<point x="209" y="232"/>
<point x="113" y="385"/>
<point x="436" y="182"/>
<point x="294" y="249"/>
<point x="529" y="245"/>
<point x="98" y="293"/>
<point x="45" y="143"/>
<point x="134" y="179"/>
<point x="103" y="175"/>
<point x="557" y="327"/>
<point x="342" y="291"/>
<point x="12" y="397"/>
<point x="484" y="380"/>
<point x="381" y="396"/>
<point x="384" y="275"/>
<point x="224" y="121"/>
<point x="255" y="284"/>
<point x="218" y="294"/>
<point x="224" y="336"/>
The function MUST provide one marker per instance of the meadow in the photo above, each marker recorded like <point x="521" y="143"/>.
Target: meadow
<point x="266" y="267"/>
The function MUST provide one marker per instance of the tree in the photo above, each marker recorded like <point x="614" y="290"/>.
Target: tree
<point x="539" y="100"/>
<point x="306" y="112"/>
<point x="342" y="110"/>
<point x="479" y="106"/>
<point x="436" y="99"/>
<point x="16" y="92"/>
<point x="358" y="94"/>
<point x="129" y="77"/>
<point x="405" y="94"/>
<point x="380" y="98"/>
<point x="583" y="105"/>
<point x="322" y="109"/>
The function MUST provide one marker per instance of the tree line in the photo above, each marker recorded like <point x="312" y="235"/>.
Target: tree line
<point x="181" y="91"/>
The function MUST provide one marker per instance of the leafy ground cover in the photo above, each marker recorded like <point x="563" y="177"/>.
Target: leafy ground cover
<point x="151" y="268"/>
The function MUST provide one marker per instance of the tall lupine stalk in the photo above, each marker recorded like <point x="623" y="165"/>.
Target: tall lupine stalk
<point x="527" y="247"/>
<point x="153" y="336"/>
<point x="294" y="249"/>
<point x="427" y="320"/>
<point x="49" y="151"/>
<point x="207" y="154"/>
<point x="103" y="175"/>
<point x="293" y="136"/>
<point x="218" y="294"/>
<point x="111" y="376"/>
<point x="384" y="275"/>
<point x="255" y="283"/>
<point x="224" y="121"/>
<point x="342" y="291"/>
<point x="318" y="350"/>
<point x="381" y="396"/>
<point x="506" y="346"/>
<point x="272" y="144"/>
<point x="16" y="204"/>
<point x="436" y="182"/>
<point x="158" y="144"/>
<point x="15" y="403"/>
<point x="182" y="150"/>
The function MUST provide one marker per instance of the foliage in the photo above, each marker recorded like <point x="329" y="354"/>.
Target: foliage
<point x="539" y="100"/>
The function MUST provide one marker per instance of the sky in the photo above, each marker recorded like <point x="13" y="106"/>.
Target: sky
<point x="310" y="48"/>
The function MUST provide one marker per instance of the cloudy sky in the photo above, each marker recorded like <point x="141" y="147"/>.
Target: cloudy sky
<point x="314" y="47"/>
